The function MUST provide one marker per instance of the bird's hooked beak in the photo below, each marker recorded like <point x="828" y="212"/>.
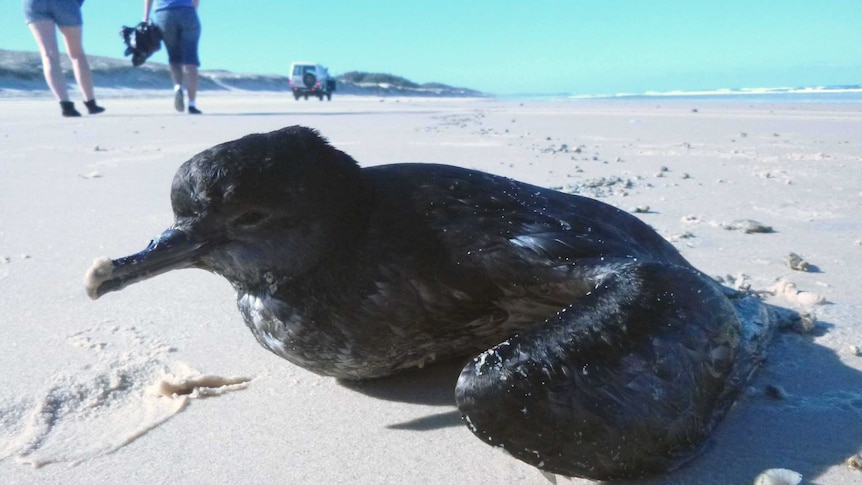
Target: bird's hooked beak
<point x="172" y="249"/>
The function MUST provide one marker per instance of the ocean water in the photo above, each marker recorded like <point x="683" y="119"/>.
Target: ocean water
<point x="827" y="94"/>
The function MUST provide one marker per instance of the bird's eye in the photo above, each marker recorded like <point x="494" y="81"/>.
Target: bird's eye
<point x="249" y="218"/>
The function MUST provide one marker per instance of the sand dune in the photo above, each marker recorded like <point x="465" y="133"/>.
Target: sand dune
<point x="21" y="74"/>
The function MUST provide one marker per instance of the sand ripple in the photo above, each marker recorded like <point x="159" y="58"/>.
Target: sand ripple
<point x="129" y="386"/>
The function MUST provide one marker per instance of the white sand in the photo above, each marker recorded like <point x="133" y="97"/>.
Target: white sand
<point x="77" y="377"/>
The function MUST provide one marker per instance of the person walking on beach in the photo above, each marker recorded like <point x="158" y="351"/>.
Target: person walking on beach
<point x="44" y="18"/>
<point x="181" y="30"/>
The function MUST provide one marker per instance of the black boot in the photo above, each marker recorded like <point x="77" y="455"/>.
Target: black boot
<point x="92" y="108"/>
<point x="69" y="109"/>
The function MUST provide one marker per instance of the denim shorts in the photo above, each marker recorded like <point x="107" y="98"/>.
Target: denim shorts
<point x="65" y="13"/>
<point x="181" y="31"/>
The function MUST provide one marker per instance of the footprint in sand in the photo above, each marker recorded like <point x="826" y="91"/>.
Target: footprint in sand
<point x="5" y="261"/>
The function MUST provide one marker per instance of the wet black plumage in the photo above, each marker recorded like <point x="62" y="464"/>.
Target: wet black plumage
<point x="601" y="352"/>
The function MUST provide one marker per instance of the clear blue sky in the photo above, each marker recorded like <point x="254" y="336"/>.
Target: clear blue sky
<point x="506" y="47"/>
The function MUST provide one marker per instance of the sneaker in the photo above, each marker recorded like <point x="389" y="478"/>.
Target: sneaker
<point x="194" y="111"/>
<point x="179" y="103"/>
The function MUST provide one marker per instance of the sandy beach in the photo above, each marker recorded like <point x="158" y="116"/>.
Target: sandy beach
<point x="85" y="387"/>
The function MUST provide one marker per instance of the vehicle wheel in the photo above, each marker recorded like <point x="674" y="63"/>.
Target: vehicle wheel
<point x="320" y="97"/>
<point x="306" y="97"/>
<point x="309" y="79"/>
<point x="296" y="97"/>
<point x="329" y="96"/>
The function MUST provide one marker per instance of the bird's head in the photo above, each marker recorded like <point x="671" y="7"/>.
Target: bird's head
<point x="257" y="210"/>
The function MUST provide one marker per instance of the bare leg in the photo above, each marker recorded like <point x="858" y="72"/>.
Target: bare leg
<point x="177" y="78"/>
<point x="191" y="76"/>
<point x="177" y="74"/>
<point x="46" y="37"/>
<point x="75" y="49"/>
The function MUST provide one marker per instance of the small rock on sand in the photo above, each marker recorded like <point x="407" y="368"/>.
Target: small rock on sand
<point x="795" y="262"/>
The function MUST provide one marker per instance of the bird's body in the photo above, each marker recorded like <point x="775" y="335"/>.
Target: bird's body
<point x="601" y="351"/>
<point x="436" y="268"/>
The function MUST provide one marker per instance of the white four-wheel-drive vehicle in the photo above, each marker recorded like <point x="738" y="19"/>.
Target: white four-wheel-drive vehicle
<point x="310" y="79"/>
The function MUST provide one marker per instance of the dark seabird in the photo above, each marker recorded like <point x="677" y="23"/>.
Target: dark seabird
<point x="598" y="351"/>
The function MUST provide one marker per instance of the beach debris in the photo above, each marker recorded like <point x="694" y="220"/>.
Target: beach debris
<point x="685" y="176"/>
<point x="641" y="209"/>
<point x="855" y="350"/>
<point x="662" y="170"/>
<point x="563" y="148"/>
<point x="599" y="187"/>
<point x="91" y="175"/>
<point x="854" y="462"/>
<point x="748" y="226"/>
<point x="200" y="386"/>
<point x="778" y="476"/>
<point x="98" y="148"/>
<point x="790" y="292"/>
<point x="806" y="322"/>
<point x="739" y="282"/>
<point x="8" y="259"/>
<point x="690" y="219"/>
<point x="799" y="322"/>
<point x="795" y="262"/>
<point x="678" y="237"/>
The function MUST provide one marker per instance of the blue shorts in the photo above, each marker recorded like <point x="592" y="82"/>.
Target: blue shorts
<point x="65" y="13"/>
<point x="181" y="31"/>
